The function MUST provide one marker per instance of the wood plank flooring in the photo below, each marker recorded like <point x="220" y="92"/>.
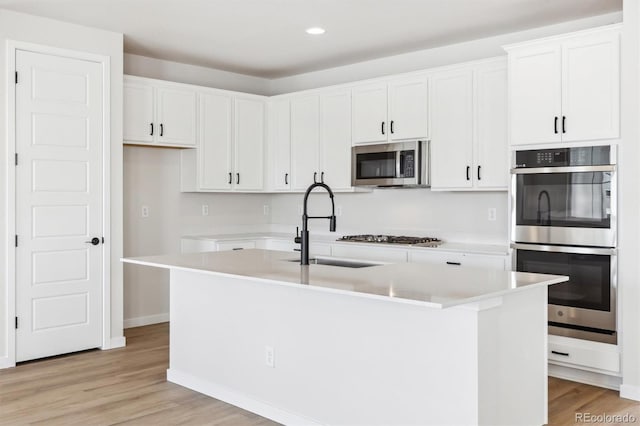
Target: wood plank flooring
<point x="128" y="386"/>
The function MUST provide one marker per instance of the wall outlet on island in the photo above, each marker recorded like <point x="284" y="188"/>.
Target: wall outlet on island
<point x="338" y="210"/>
<point x="144" y="211"/>
<point x="265" y="210"/>
<point x="205" y="210"/>
<point x="269" y="360"/>
<point x="492" y="214"/>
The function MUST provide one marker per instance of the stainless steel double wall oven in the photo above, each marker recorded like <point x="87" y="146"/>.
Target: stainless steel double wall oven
<point x="564" y="222"/>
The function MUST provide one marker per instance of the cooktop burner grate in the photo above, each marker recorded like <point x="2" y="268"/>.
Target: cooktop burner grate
<point x="392" y="239"/>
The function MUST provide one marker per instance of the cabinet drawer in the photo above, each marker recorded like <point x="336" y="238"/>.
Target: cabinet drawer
<point x="593" y="355"/>
<point x="188" y="245"/>
<point x="281" y="245"/>
<point x="458" y="259"/>
<point x="370" y="253"/>
<point x="236" y="245"/>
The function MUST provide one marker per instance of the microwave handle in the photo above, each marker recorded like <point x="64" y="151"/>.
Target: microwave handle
<point x="565" y="249"/>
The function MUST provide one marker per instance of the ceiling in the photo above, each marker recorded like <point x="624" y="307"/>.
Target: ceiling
<point x="266" y="38"/>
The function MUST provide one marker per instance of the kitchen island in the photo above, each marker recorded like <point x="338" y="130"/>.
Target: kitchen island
<point x="388" y="344"/>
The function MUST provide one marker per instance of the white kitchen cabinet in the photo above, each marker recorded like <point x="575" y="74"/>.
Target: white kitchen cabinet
<point x="229" y="156"/>
<point x="335" y="140"/>
<point x="468" y="106"/>
<point x="369" y="114"/>
<point x="280" y="145"/>
<point x="159" y="113"/>
<point x="584" y="354"/>
<point x="214" y="152"/>
<point x="456" y="259"/>
<point x="363" y="252"/>
<point x="248" y="156"/>
<point x="228" y="245"/>
<point x="305" y="141"/>
<point x="320" y="140"/>
<point x="388" y="112"/>
<point x="566" y="89"/>
<point x="452" y="129"/>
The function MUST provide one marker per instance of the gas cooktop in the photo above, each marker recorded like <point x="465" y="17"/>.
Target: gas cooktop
<point x="392" y="239"/>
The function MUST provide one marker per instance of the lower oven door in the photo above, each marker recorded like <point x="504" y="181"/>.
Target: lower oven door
<point x="585" y="305"/>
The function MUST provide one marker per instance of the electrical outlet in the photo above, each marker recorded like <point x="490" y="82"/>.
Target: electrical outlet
<point x="492" y="214"/>
<point x="269" y="357"/>
<point x="145" y="211"/>
<point x="265" y="210"/>
<point x="338" y="210"/>
<point x="205" y="210"/>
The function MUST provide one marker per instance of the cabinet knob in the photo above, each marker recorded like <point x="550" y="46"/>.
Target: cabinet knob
<point x="151" y="134"/>
<point x="161" y="129"/>
<point x="479" y="172"/>
<point x="322" y="177"/>
<point x="564" y="127"/>
<point x="391" y="125"/>
<point x="383" y="127"/>
<point x="286" y="178"/>
<point x="468" y="170"/>
<point x="315" y="175"/>
<point x="555" y="125"/>
<point x="229" y="178"/>
<point x="237" y="178"/>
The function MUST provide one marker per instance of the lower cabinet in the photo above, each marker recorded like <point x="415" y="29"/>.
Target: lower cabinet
<point x="459" y="259"/>
<point x="591" y="356"/>
<point x="382" y="254"/>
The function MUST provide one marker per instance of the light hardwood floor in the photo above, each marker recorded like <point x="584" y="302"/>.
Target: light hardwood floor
<point x="128" y="386"/>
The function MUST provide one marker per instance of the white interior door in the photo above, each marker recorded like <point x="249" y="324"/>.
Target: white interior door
<point x="59" y="205"/>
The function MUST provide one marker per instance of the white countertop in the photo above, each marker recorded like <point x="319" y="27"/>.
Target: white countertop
<point x="436" y="286"/>
<point x="475" y="248"/>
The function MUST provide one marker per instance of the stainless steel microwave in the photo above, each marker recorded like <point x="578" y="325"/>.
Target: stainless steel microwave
<point x="392" y="164"/>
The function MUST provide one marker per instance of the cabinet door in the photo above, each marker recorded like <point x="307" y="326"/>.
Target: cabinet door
<point x="249" y="144"/>
<point x="280" y="145"/>
<point x="335" y="146"/>
<point x="214" y="146"/>
<point x="369" y="114"/>
<point x="138" y="113"/>
<point x="408" y="116"/>
<point x="176" y="116"/>
<point x="305" y="140"/>
<point x="535" y="95"/>
<point x="591" y="88"/>
<point x="451" y="129"/>
<point x="491" y="165"/>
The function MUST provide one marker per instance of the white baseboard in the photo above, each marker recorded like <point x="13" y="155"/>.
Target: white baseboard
<point x="630" y="392"/>
<point x="586" y="377"/>
<point x="5" y="362"/>
<point x="148" y="320"/>
<point x="117" y="342"/>
<point x="240" y="400"/>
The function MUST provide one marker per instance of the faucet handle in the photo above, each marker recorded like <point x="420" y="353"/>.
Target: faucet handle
<point x="297" y="239"/>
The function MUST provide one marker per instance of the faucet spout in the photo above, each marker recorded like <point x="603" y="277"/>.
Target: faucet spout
<point x="304" y="235"/>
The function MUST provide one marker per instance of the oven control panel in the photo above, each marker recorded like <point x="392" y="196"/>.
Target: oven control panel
<point x="564" y="157"/>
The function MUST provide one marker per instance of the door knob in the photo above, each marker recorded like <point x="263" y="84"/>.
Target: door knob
<point x="95" y="241"/>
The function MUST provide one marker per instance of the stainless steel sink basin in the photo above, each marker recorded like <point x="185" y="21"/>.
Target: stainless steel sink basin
<point x="343" y="263"/>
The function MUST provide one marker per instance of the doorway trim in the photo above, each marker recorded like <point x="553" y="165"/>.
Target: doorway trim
<point x="10" y="227"/>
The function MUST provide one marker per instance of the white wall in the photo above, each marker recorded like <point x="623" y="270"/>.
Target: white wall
<point x="192" y="74"/>
<point x="152" y="178"/>
<point x="447" y="215"/>
<point x="26" y="28"/>
<point x="629" y="204"/>
<point x="429" y="58"/>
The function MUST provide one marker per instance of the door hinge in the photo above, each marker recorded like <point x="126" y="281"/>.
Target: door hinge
<point x="16" y="77"/>
<point x="16" y="323"/>
<point x="16" y="158"/>
<point x="16" y="240"/>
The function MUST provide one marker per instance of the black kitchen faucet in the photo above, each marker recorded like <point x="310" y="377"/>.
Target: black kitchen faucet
<point x="303" y="239"/>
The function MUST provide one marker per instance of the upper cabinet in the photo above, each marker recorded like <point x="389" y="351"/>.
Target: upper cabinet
<point x="388" y="112"/>
<point x="469" y="127"/>
<point x="565" y="89"/>
<point x="159" y="113"/>
<point x="229" y="155"/>
<point x="310" y="141"/>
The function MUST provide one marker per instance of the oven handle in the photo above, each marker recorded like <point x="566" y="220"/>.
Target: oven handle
<point x="570" y="169"/>
<point x="566" y="249"/>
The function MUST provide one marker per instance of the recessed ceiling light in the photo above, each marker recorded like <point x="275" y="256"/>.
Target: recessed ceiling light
<point x="315" y="31"/>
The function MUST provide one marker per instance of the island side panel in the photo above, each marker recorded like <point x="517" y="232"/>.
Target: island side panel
<point x="338" y="359"/>
<point x="513" y="360"/>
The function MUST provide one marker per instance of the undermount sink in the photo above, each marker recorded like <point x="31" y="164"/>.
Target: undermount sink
<point x="343" y="263"/>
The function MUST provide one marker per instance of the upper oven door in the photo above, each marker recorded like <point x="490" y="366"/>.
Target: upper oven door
<point x="565" y="205"/>
<point x="386" y="164"/>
